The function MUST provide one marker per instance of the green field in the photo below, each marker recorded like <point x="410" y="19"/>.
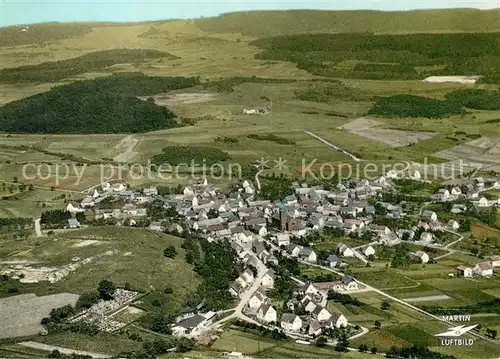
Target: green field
<point x="139" y="261"/>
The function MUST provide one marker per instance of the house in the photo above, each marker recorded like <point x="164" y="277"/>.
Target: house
<point x="267" y="313"/>
<point x="314" y="328"/>
<point x="333" y="261"/>
<point x="291" y="322"/>
<point x="456" y="191"/>
<point x="118" y="187"/>
<point x="73" y="223"/>
<point x="430" y="215"/>
<point x="268" y="279"/>
<point x="479" y="182"/>
<point x="308" y="255"/>
<point x="349" y="283"/>
<point x="421" y="256"/>
<point x="247" y="275"/>
<point x="483" y="269"/>
<point x="127" y="195"/>
<point x="369" y="251"/>
<point x="294" y="250"/>
<point x="321" y="314"/>
<point x="344" y="250"/>
<point x="453" y="225"/>
<point x="189" y="325"/>
<point x="443" y="194"/>
<point x="105" y="186"/>
<point x="290" y="200"/>
<point x="463" y="271"/>
<point x="337" y="320"/>
<point x="458" y="208"/>
<point x="236" y="288"/>
<point x="426" y="237"/>
<point x="495" y="261"/>
<point x="283" y="239"/>
<point x="308" y="288"/>
<point x="151" y="191"/>
<point x="309" y="305"/>
<point x="483" y="202"/>
<point x="93" y="193"/>
<point x="156" y="226"/>
<point x="73" y="208"/>
<point x="257" y="299"/>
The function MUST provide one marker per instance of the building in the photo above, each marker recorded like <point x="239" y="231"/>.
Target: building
<point x="268" y="279"/>
<point x="267" y="313"/>
<point x="344" y="250"/>
<point x="333" y="261"/>
<point x="349" y="283"/>
<point x="257" y="300"/>
<point x="426" y="237"/>
<point x="73" y="223"/>
<point x="369" y="251"/>
<point x="463" y="271"/>
<point x="337" y="320"/>
<point x="483" y="269"/>
<point x="421" y="256"/>
<point x="308" y="288"/>
<point x="321" y="314"/>
<point x="453" y="225"/>
<point x="308" y="255"/>
<point x="291" y="322"/>
<point x="283" y="239"/>
<point x="430" y="215"/>
<point x="314" y="328"/>
<point x="495" y="261"/>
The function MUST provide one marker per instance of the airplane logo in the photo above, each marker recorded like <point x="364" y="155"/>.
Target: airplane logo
<point x="456" y="331"/>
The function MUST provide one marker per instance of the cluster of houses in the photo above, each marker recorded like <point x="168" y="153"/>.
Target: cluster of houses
<point x="482" y="269"/>
<point x="471" y="192"/>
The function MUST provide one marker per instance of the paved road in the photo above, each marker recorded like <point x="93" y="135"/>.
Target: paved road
<point x="332" y="145"/>
<point x="38" y="229"/>
<point x="62" y="350"/>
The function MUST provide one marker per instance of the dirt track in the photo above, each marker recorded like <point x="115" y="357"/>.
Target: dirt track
<point x="127" y="145"/>
<point x="62" y="350"/>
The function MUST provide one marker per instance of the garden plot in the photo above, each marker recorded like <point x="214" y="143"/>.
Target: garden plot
<point x="21" y="315"/>
<point x="368" y="128"/>
<point x="484" y="151"/>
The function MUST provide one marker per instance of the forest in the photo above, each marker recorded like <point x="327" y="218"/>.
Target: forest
<point x="103" y="105"/>
<point x="387" y="56"/>
<point x="478" y="99"/>
<point x="415" y="106"/>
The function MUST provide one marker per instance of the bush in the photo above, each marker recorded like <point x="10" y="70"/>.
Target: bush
<point x="175" y="155"/>
<point x="106" y="289"/>
<point x="272" y="138"/>
<point x="170" y="252"/>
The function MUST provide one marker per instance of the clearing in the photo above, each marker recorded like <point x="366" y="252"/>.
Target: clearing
<point x="21" y="315"/>
<point x="126" y="147"/>
<point x="182" y="98"/>
<point x="452" y="79"/>
<point x="367" y="127"/>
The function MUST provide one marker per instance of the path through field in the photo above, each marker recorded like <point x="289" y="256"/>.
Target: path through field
<point x="332" y="145"/>
<point x="62" y="350"/>
<point x="126" y="145"/>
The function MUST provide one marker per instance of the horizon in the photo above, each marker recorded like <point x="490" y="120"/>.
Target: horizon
<point x="35" y="12"/>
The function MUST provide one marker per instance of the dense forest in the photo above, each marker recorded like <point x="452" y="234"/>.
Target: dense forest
<point x="414" y="106"/>
<point x="175" y="155"/>
<point x="387" y="56"/>
<point x="103" y="105"/>
<point x="53" y="71"/>
<point x="478" y="99"/>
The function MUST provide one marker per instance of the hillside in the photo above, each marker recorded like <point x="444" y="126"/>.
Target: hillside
<point x="105" y="105"/>
<point x="272" y="23"/>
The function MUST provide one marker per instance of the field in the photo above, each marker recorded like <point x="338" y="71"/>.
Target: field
<point x="133" y="256"/>
<point x="21" y="315"/>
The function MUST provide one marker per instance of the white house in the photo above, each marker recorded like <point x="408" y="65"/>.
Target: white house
<point x="415" y="175"/>
<point x="422" y="256"/>
<point x="333" y="261"/>
<point x="257" y="299"/>
<point x="321" y="314"/>
<point x="119" y="187"/>
<point x="309" y="305"/>
<point x="426" y="237"/>
<point x="369" y="251"/>
<point x="349" y="283"/>
<point x="308" y="289"/>
<point x="267" y="313"/>
<point x="314" y="327"/>
<point x="337" y="320"/>
<point x="294" y="250"/>
<point x="463" y="271"/>
<point x="74" y="208"/>
<point x="345" y="251"/>
<point x="495" y="261"/>
<point x="456" y="191"/>
<point x="291" y="322"/>
<point x="483" y="202"/>
<point x="458" y="208"/>
<point x="308" y="255"/>
<point x="430" y="215"/>
<point x="483" y="269"/>
<point x="283" y="239"/>
<point x="247" y="275"/>
<point x="93" y="193"/>
<point x="105" y="186"/>
<point x="268" y="279"/>
<point x="443" y="194"/>
<point x="453" y="225"/>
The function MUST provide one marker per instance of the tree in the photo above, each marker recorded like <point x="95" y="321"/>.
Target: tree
<point x="377" y="324"/>
<point x="385" y="305"/>
<point x="374" y="350"/>
<point x="185" y="344"/>
<point x="342" y="343"/>
<point x="321" y="342"/>
<point x="492" y="333"/>
<point x="213" y="213"/>
<point x="170" y="252"/>
<point x="168" y="290"/>
<point x="363" y="348"/>
<point x="106" y="289"/>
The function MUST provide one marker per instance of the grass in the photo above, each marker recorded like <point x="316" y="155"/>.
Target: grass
<point x="386" y="279"/>
<point x="139" y="261"/>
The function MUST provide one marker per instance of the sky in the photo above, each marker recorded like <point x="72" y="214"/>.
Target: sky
<point x="14" y="12"/>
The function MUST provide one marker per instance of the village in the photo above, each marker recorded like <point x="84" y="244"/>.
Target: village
<point x="261" y="231"/>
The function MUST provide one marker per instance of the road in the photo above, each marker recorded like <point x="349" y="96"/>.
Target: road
<point x="257" y="179"/>
<point x="62" y="350"/>
<point x="332" y="145"/>
<point x="38" y="229"/>
<point x="384" y="294"/>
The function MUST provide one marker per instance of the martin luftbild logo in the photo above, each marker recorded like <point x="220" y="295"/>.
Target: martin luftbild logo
<point x="452" y="336"/>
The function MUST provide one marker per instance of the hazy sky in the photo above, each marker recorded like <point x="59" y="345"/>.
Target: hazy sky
<point x="26" y="11"/>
